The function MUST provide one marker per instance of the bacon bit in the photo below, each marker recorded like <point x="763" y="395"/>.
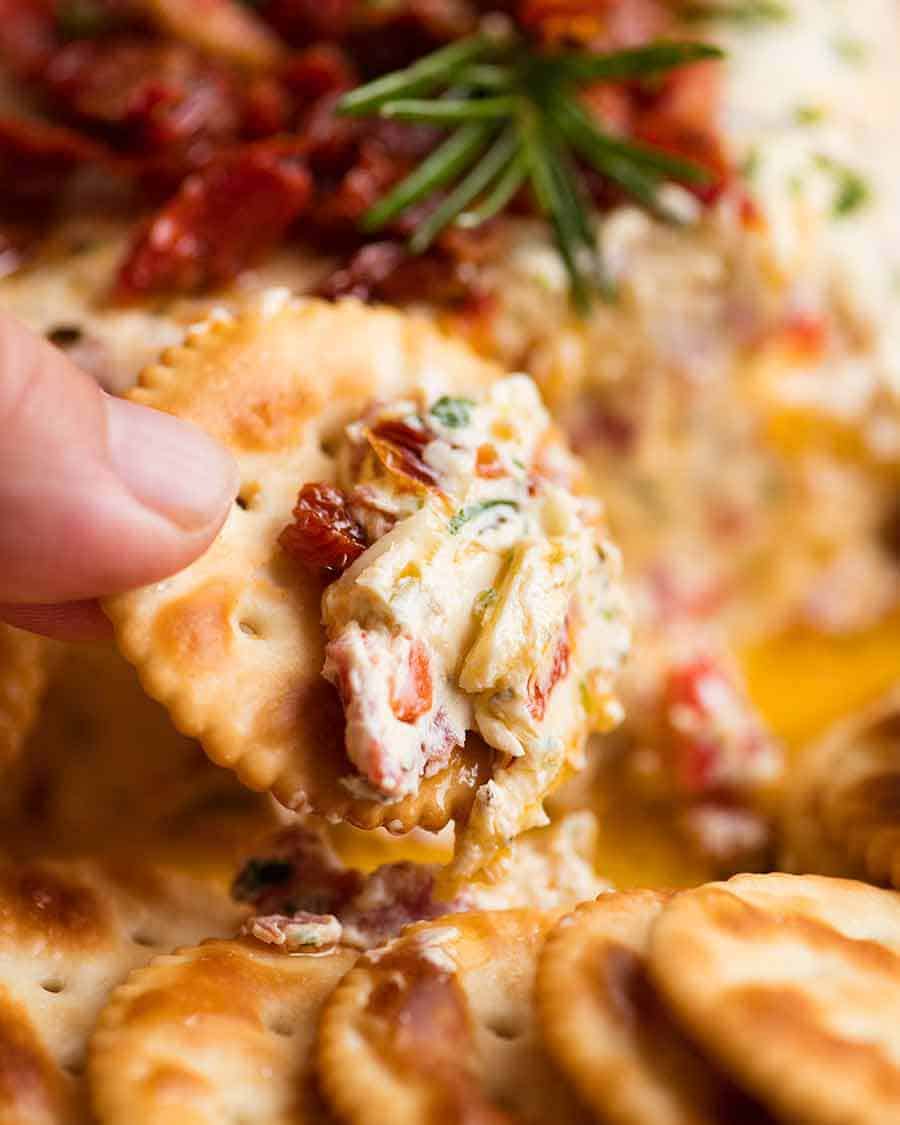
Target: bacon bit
<point x="539" y="690"/>
<point x="411" y="688"/>
<point x="399" y="447"/>
<point x="220" y="221"/>
<point x="222" y="28"/>
<point x="805" y="335"/>
<point x="488" y="464"/>
<point x="712" y="728"/>
<point x="687" y="689"/>
<point x="150" y="97"/>
<point x="295" y="932"/>
<point x="324" y="534"/>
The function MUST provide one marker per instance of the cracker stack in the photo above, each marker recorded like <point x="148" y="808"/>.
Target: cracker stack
<point x="767" y="998"/>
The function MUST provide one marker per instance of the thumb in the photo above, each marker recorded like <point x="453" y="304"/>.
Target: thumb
<point x="97" y="494"/>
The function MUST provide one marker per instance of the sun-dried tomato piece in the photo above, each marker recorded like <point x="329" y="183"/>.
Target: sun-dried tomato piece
<point x="541" y="687"/>
<point x="35" y="155"/>
<point x="386" y="271"/>
<point x="220" y="221"/>
<point x="412" y="689"/>
<point x="717" y="741"/>
<point x="680" y="115"/>
<point x="324" y="534"/>
<point x="28" y="35"/>
<point x="399" y="446"/>
<point x="305" y="21"/>
<point x="147" y="97"/>
<point x="319" y="70"/>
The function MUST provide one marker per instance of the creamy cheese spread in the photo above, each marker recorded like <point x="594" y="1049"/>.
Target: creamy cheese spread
<point x="488" y="588"/>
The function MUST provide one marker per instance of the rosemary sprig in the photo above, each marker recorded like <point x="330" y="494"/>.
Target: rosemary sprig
<point x="516" y="119"/>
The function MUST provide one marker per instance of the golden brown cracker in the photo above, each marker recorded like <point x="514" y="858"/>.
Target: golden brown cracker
<point x="69" y="932"/>
<point x="233" y="644"/>
<point x="105" y="769"/>
<point x="609" y="1031"/>
<point x="842" y="808"/>
<point x="222" y="1032"/>
<point x="439" y="1026"/>
<point x="24" y="664"/>
<point x="793" y="984"/>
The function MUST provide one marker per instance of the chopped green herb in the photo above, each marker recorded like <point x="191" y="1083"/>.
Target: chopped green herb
<point x="738" y="11"/>
<point x="852" y="190"/>
<point x="750" y="164"/>
<point x="852" y="51"/>
<point x="453" y="412"/>
<point x="586" y="699"/>
<point x="809" y="114"/>
<point x="464" y="515"/>
<point x="484" y="601"/>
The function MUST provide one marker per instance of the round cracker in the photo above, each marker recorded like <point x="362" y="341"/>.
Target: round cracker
<point x="609" y="1031"/>
<point x="105" y="768"/>
<point x="69" y="933"/>
<point x="793" y="984"/>
<point x="233" y="644"/>
<point x="842" y="810"/>
<point x="223" y="1032"/>
<point x="439" y="1026"/>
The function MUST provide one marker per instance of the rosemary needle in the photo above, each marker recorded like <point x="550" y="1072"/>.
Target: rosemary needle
<point x="517" y="120"/>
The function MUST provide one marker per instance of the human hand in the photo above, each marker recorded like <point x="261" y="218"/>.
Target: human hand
<point x="97" y="494"/>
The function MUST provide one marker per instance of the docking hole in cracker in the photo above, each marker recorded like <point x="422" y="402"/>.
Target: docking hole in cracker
<point x="439" y="1026"/>
<point x="69" y="933"/>
<point x="413" y="612"/>
<point x="223" y="1032"/>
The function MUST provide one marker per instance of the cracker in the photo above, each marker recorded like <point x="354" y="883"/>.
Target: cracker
<point x="24" y="663"/>
<point x="842" y="810"/>
<point x="69" y="932"/>
<point x="233" y="645"/>
<point x="793" y="984"/>
<point x="105" y="768"/>
<point x="223" y="1032"/>
<point x="608" y="1029"/>
<point x="439" y="1026"/>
